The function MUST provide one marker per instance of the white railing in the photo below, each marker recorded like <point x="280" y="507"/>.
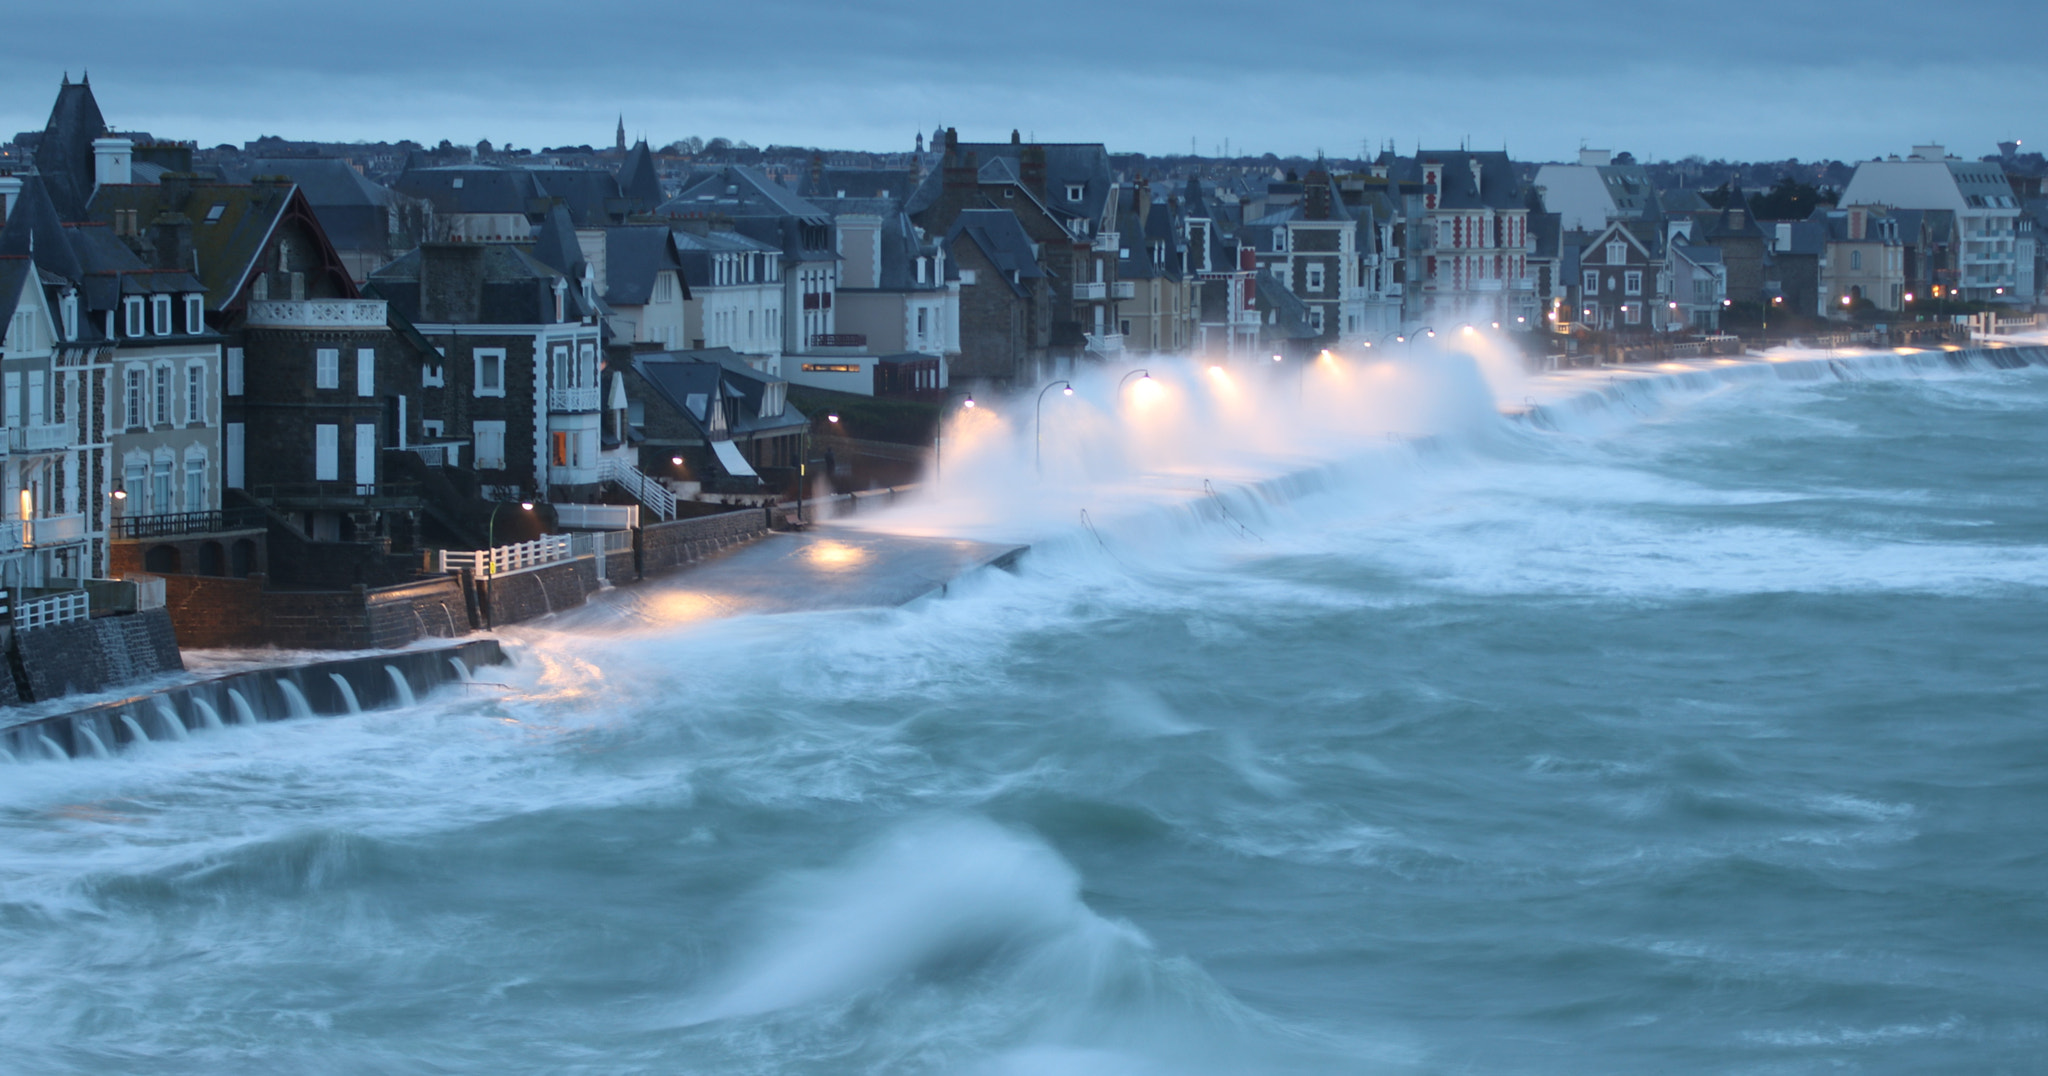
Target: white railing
<point x="597" y="517"/>
<point x="546" y="549"/>
<point x="583" y="399"/>
<point x="441" y="454"/>
<point x="47" y="438"/>
<point x="10" y="537"/>
<point x="642" y="488"/>
<point x="1091" y="291"/>
<point x="317" y="314"/>
<point x="51" y="610"/>
<point x="1123" y="289"/>
<point x="1105" y="343"/>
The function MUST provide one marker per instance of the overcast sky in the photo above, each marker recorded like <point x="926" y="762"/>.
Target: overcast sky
<point x="1742" y="79"/>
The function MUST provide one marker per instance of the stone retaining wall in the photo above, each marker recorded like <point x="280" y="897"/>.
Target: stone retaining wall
<point x="664" y="546"/>
<point x="213" y="612"/>
<point x="91" y="655"/>
<point x="536" y="592"/>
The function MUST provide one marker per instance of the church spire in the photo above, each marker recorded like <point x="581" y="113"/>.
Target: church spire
<point x="621" y="143"/>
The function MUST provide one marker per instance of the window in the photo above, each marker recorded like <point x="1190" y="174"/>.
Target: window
<point x="1315" y="278"/>
<point x="132" y="306"/>
<point x="234" y="446"/>
<point x="1315" y="319"/>
<point x="1855" y="259"/>
<point x="490" y="445"/>
<point x="160" y="314"/>
<point x="920" y="270"/>
<point x="1280" y="239"/>
<point x="1617" y="252"/>
<point x="13" y="409"/>
<point x="160" y="485"/>
<point x="366" y="371"/>
<point x="327" y="368"/>
<point x="195" y="314"/>
<point x="71" y="316"/>
<point x="432" y="427"/>
<point x="136" y="399"/>
<point x="326" y="452"/>
<point x="831" y="368"/>
<point x="160" y="400"/>
<point x="366" y="457"/>
<point x="490" y="371"/>
<point x="38" y="385"/>
<point x="234" y="371"/>
<point x="135" y="481"/>
<point x="1632" y="282"/>
<point x="1075" y="191"/>
<point x="213" y="214"/>
<point x="1632" y="313"/>
<point x="195" y="394"/>
<point x="195" y="485"/>
<point x="1591" y="282"/>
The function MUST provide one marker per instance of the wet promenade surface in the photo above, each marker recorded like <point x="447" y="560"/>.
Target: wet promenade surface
<point x="823" y="568"/>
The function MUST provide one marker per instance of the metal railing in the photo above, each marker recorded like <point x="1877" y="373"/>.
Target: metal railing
<point x="576" y="399"/>
<point x="839" y="340"/>
<point x="1094" y="290"/>
<point x="169" y="523"/>
<point x="642" y="488"/>
<point x="592" y="543"/>
<point x="546" y="549"/>
<point x="51" y="610"/>
<point x="439" y="454"/>
<point x="597" y="517"/>
<point x="346" y="494"/>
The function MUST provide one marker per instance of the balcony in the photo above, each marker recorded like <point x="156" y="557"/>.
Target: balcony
<point x="839" y="340"/>
<point x="1090" y="292"/>
<point x="54" y="437"/>
<point x="166" y="524"/>
<point x="1123" y="289"/>
<point x="53" y="530"/>
<point x="583" y="399"/>
<point x="439" y="453"/>
<point x="1106" y="343"/>
<point x="316" y="314"/>
<point x="10" y="536"/>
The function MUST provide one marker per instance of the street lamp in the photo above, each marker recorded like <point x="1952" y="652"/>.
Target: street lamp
<point x="939" y="436"/>
<point x="803" y="463"/>
<point x="1037" y="418"/>
<point x="491" y="535"/>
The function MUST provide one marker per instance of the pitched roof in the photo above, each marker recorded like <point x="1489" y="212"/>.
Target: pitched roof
<point x="634" y="255"/>
<point x="232" y="225"/>
<point x="474" y="284"/>
<point x="65" y="154"/>
<point x="474" y="189"/>
<point x="638" y="179"/>
<point x="1002" y="240"/>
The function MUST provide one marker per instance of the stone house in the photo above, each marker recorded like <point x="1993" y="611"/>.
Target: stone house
<point x="1006" y="301"/>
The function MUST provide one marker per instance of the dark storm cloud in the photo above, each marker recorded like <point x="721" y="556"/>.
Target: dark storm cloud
<point x="1745" y="79"/>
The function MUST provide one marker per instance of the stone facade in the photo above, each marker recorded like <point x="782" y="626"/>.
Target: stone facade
<point x="91" y="655"/>
<point x="664" y="546"/>
<point x="536" y="592"/>
<point x="210" y="612"/>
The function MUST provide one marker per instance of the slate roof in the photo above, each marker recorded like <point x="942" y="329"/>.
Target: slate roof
<point x="225" y="249"/>
<point x="475" y="284"/>
<point x="1499" y="187"/>
<point x="639" y="181"/>
<point x="1002" y="240"/>
<point x="634" y="255"/>
<point x="739" y="192"/>
<point x="14" y="277"/>
<point x="87" y="256"/>
<point x="893" y="184"/>
<point x="64" y="156"/>
<point x="1294" y="323"/>
<point x="1084" y="163"/>
<point x="689" y="381"/>
<point x="475" y="189"/>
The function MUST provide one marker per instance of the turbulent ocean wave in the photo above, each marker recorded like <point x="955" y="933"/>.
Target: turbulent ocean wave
<point x="1682" y="724"/>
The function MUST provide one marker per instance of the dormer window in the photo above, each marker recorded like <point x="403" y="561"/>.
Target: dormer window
<point x="70" y="315"/>
<point x="195" y="314"/>
<point x="561" y="299"/>
<point x="1075" y="191"/>
<point x="132" y="307"/>
<point x="1280" y="240"/>
<point x="160" y="315"/>
<point x="920" y="270"/>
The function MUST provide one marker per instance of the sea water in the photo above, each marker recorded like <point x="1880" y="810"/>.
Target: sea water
<point x="1706" y="735"/>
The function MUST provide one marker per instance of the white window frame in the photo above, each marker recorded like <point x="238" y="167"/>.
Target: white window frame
<point x="160" y="315"/>
<point x="1617" y="253"/>
<point x="327" y="368"/>
<point x="195" y="313"/>
<point x="492" y="359"/>
<point x="135" y="396"/>
<point x="12" y="411"/>
<point x="1315" y="277"/>
<point x="326" y="452"/>
<point x="366" y="371"/>
<point x="1076" y="191"/>
<point x="132" y="307"/>
<point x="489" y="438"/>
<point x="160" y="395"/>
<point x="195" y="393"/>
<point x="195" y="467"/>
<point x="1589" y="281"/>
<point x="1632" y="282"/>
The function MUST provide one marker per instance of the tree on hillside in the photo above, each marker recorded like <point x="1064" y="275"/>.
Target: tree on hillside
<point x="1791" y="199"/>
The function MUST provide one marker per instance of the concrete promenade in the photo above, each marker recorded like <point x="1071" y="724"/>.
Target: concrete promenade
<point x="823" y="567"/>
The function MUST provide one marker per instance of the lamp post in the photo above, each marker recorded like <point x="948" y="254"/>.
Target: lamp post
<point x="1037" y="422"/>
<point x="491" y="535"/>
<point x="1427" y="330"/>
<point x="939" y="436"/>
<point x="803" y="463"/>
<point x="1126" y="379"/>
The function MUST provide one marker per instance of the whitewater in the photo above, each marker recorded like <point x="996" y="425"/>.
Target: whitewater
<point x="1681" y="721"/>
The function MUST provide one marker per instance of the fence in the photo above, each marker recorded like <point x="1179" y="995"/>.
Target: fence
<point x="168" y="523"/>
<point x="642" y="488"/>
<point x="597" y="517"/>
<point x="51" y="610"/>
<point x="546" y="549"/>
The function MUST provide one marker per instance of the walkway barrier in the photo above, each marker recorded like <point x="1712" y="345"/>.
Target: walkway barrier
<point x="51" y="610"/>
<point x="546" y="549"/>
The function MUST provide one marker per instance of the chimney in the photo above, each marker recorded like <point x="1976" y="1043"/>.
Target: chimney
<point x="175" y="188"/>
<point x="171" y="234"/>
<point x="451" y="282"/>
<point x="1859" y="222"/>
<point x="1933" y="151"/>
<point x="1597" y="158"/>
<point x="1015" y="138"/>
<point x="1315" y="196"/>
<point x="1477" y="187"/>
<point x="1031" y="162"/>
<point x="113" y="162"/>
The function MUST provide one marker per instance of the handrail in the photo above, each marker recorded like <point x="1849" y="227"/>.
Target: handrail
<point x="644" y="489"/>
<point x="498" y="560"/>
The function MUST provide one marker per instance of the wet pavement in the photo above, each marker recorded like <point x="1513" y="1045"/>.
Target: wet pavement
<point x="825" y="567"/>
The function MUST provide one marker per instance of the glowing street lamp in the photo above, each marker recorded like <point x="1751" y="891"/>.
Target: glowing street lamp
<point x="939" y="434"/>
<point x="1142" y="375"/>
<point x="491" y="534"/>
<point x="1037" y="422"/>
